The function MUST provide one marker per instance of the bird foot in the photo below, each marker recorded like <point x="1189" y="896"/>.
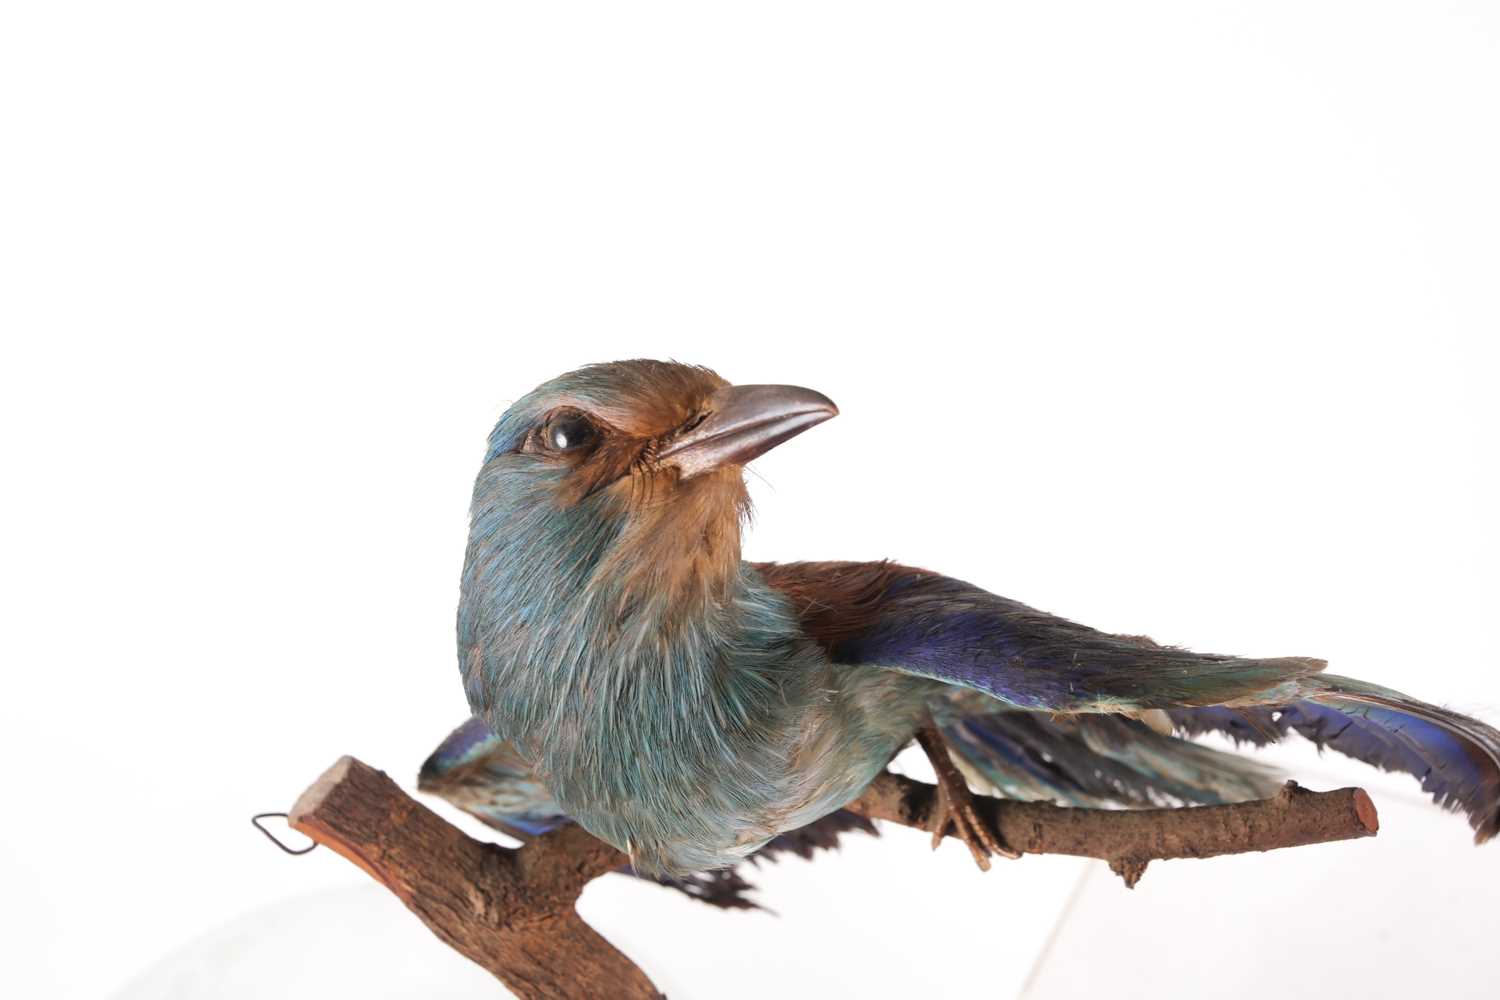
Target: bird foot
<point x="954" y="807"/>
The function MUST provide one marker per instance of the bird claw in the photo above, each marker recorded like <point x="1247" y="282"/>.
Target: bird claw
<point x="954" y="807"/>
<point x="967" y="825"/>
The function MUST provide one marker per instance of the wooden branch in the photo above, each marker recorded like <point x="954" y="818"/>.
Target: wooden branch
<point x="512" y="911"/>
<point x="1130" y="838"/>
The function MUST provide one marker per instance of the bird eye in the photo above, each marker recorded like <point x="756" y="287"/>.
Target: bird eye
<point x="568" y="432"/>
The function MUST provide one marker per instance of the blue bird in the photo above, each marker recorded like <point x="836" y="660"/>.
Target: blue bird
<point x="630" y="672"/>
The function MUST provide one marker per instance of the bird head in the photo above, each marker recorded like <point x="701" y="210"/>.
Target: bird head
<point x="631" y="472"/>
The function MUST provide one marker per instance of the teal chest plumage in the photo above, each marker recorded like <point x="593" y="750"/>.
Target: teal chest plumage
<point x="686" y="733"/>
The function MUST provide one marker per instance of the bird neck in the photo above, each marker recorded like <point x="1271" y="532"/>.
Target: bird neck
<point x="609" y="609"/>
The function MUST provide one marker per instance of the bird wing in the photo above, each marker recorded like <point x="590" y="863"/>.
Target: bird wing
<point x="917" y="622"/>
<point x="1454" y="756"/>
<point x="484" y="776"/>
<point x="900" y="618"/>
<point x="1095" y="761"/>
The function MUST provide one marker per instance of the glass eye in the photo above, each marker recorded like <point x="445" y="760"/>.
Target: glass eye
<point x="568" y="432"/>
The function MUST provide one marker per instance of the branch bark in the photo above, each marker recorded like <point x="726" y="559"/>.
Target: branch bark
<point x="512" y="911"/>
<point x="1130" y="838"/>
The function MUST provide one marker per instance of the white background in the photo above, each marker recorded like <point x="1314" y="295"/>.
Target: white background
<point x="1172" y="318"/>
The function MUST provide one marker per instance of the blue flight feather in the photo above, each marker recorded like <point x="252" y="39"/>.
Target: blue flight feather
<point x="1456" y="758"/>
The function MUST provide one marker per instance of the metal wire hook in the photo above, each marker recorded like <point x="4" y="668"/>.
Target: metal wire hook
<point x="255" y="821"/>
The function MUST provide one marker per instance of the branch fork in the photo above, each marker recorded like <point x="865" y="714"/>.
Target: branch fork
<point x="512" y="910"/>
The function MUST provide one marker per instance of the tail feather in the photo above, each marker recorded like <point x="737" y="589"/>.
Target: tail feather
<point x="1455" y="757"/>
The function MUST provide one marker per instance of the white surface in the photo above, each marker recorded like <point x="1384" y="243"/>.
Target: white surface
<point x="359" y="941"/>
<point x="356" y="941"/>
<point x="1368" y="919"/>
<point x="1174" y="318"/>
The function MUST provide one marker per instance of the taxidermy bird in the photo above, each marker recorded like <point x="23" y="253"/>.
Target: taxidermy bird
<point x="628" y="670"/>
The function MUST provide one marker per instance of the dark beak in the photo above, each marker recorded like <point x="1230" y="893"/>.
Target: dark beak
<point x="742" y="422"/>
